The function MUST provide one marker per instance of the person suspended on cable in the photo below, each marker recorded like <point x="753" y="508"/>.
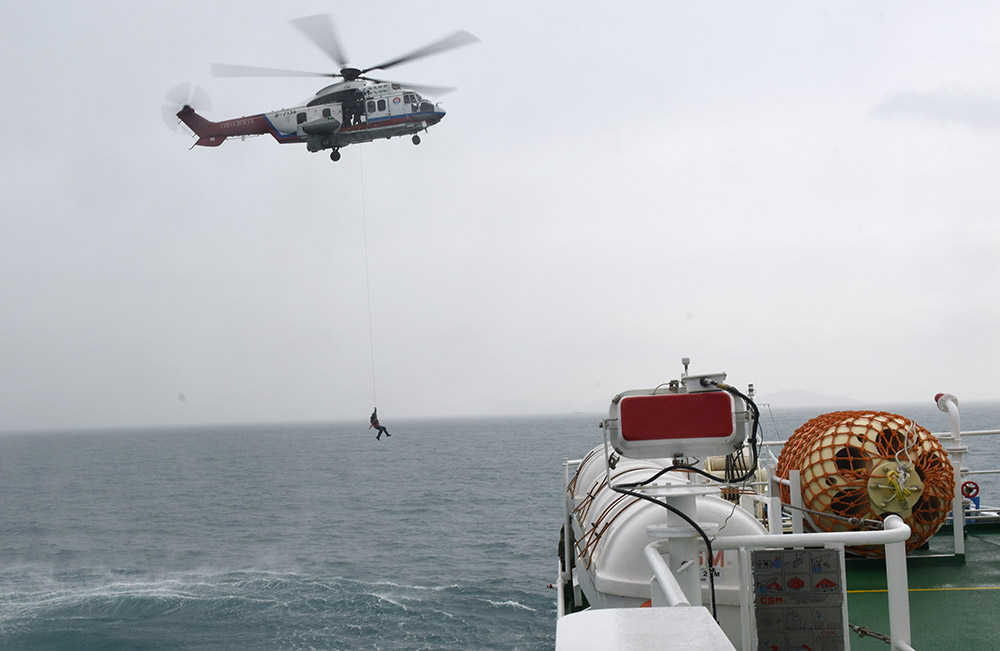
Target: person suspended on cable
<point x="381" y="430"/>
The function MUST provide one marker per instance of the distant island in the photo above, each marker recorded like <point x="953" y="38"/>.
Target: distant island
<point x="789" y="399"/>
<point x="799" y="398"/>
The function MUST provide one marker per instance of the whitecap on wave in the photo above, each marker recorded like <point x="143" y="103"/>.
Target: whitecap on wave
<point x="509" y="604"/>
<point x="251" y="609"/>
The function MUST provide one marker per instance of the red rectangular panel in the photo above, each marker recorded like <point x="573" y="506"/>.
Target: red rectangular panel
<point x="676" y="416"/>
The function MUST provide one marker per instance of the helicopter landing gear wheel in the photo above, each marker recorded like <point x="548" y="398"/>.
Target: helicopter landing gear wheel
<point x="335" y="155"/>
<point x="416" y="139"/>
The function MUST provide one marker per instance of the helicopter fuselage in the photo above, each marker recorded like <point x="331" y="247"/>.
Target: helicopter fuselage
<point x="339" y="115"/>
<point x="356" y="109"/>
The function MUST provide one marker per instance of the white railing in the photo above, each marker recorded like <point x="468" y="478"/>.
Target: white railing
<point x="893" y="537"/>
<point x="664" y="577"/>
<point x="950" y="437"/>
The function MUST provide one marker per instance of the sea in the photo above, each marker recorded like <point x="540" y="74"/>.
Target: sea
<point x="307" y="536"/>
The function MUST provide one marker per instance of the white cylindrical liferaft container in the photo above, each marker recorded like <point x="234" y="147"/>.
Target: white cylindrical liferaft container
<point x="610" y="531"/>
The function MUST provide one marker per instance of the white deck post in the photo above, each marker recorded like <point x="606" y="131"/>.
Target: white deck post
<point x="682" y="550"/>
<point x="566" y="524"/>
<point x="899" y="589"/>
<point x="795" y="499"/>
<point x="748" y="624"/>
<point x="774" y="505"/>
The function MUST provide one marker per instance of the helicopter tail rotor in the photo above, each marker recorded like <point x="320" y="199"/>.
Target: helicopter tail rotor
<point x="181" y="96"/>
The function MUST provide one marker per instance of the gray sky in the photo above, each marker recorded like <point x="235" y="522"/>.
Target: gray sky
<point x="799" y="193"/>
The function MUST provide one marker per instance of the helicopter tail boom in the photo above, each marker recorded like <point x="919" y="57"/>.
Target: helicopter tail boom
<point x="213" y="134"/>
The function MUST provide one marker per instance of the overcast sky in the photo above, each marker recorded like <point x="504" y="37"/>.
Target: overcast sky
<point x="802" y="194"/>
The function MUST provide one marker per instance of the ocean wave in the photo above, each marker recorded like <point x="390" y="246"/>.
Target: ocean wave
<point x="23" y="590"/>
<point x="432" y="588"/>
<point x="510" y="603"/>
<point x="36" y="590"/>
<point x="390" y="600"/>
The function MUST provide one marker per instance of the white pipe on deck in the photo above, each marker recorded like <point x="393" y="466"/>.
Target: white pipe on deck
<point x="949" y="403"/>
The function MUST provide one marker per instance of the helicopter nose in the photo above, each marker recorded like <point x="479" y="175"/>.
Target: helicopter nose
<point x="439" y="112"/>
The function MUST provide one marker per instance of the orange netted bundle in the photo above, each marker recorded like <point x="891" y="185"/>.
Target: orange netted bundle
<point x="864" y="464"/>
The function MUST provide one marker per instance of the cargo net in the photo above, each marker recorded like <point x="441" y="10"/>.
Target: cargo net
<point x="851" y="463"/>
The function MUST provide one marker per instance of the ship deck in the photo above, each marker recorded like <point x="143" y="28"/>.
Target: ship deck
<point x="952" y="601"/>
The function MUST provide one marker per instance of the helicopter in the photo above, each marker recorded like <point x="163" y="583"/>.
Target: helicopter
<point x="356" y="109"/>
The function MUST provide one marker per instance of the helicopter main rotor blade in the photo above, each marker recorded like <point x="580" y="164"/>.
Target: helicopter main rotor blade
<point x="230" y="70"/>
<point x="320" y="30"/>
<point x="454" y="40"/>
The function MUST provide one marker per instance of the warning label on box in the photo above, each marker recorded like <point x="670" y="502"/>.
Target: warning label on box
<point x="799" y="599"/>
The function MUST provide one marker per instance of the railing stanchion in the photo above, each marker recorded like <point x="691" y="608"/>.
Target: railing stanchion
<point x="899" y="588"/>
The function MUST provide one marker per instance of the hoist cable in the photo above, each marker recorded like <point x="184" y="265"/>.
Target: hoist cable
<point x="368" y="284"/>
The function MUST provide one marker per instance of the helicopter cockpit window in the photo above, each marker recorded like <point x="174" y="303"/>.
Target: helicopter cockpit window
<point x="371" y="106"/>
<point x="409" y="98"/>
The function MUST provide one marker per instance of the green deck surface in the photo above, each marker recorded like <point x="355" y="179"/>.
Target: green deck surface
<point x="953" y="604"/>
